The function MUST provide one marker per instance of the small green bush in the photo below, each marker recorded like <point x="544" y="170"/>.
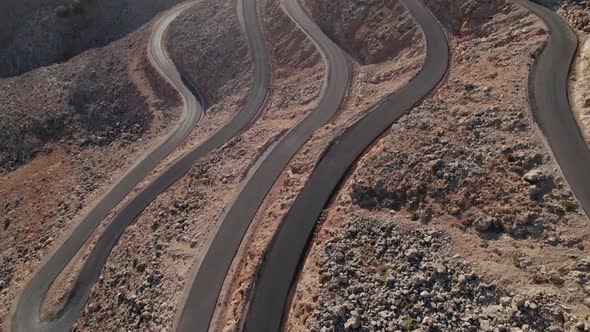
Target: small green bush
<point x="62" y="11"/>
<point x="77" y="6"/>
<point x="570" y="206"/>
<point x="383" y="271"/>
<point x="411" y="323"/>
<point x="516" y="259"/>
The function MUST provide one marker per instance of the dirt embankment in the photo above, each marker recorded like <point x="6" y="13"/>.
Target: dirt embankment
<point x="38" y="33"/>
<point x="470" y="165"/>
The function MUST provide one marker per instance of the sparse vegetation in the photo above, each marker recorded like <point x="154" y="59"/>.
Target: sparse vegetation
<point x="558" y="210"/>
<point x="557" y="280"/>
<point x="516" y="260"/>
<point x="570" y="206"/>
<point x="406" y="306"/>
<point x="410" y="323"/>
<point x="62" y="11"/>
<point x="383" y="271"/>
<point x="539" y="278"/>
<point x="65" y="11"/>
<point x="77" y="7"/>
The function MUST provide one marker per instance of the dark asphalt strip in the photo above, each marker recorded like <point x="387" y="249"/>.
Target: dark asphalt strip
<point x="207" y="276"/>
<point x="549" y="101"/>
<point x="280" y="262"/>
<point x="26" y="315"/>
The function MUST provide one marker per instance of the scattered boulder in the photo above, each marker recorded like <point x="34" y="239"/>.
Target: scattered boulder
<point x="441" y="293"/>
<point x="483" y="224"/>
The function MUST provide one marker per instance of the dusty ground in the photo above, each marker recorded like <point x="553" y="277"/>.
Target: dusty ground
<point x="471" y="164"/>
<point x="579" y="92"/>
<point x="577" y="14"/>
<point x="370" y="83"/>
<point x="45" y="197"/>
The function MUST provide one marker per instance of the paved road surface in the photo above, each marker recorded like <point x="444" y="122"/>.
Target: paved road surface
<point x="281" y="261"/>
<point x="549" y="100"/>
<point x="26" y="316"/>
<point x="207" y="276"/>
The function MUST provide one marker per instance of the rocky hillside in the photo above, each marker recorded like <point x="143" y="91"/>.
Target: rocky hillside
<point x="85" y="107"/>
<point x="378" y="275"/>
<point x="87" y="101"/>
<point x="36" y="33"/>
<point x="577" y="14"/>
<point x="90" y="99"/>
<point x="468" y="17"/>
<point x="212" y="52"/>
<point x="371" y="31"/>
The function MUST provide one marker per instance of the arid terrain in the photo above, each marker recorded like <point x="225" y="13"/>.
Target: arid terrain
<point x="458" y="217"/>
<point x="68" y="133"/>
<point x="462" y="173"/>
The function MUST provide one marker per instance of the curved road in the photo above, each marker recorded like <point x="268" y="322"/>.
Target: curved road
<point x="549" y="100"/>
<point x="281" y="261"/>
<point x="207" y="276"/>
<point x="26" y="315"/>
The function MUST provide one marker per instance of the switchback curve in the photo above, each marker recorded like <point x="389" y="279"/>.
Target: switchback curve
<point x="280" y="262"/>
<point x="208" y="275"/>
<point x="26" y="314"/>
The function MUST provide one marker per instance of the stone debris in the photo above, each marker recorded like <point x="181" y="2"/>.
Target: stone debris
<point x="373" y="31"/>
<point x="577" y="13"/>
<point x="402" y="279"/>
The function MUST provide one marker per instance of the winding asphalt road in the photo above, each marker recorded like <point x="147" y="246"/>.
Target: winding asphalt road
<point x="549" y="100"/>
<point x="207" y="276"/>
<point x="26" y="315"/>
<point x="280" y="262"/>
